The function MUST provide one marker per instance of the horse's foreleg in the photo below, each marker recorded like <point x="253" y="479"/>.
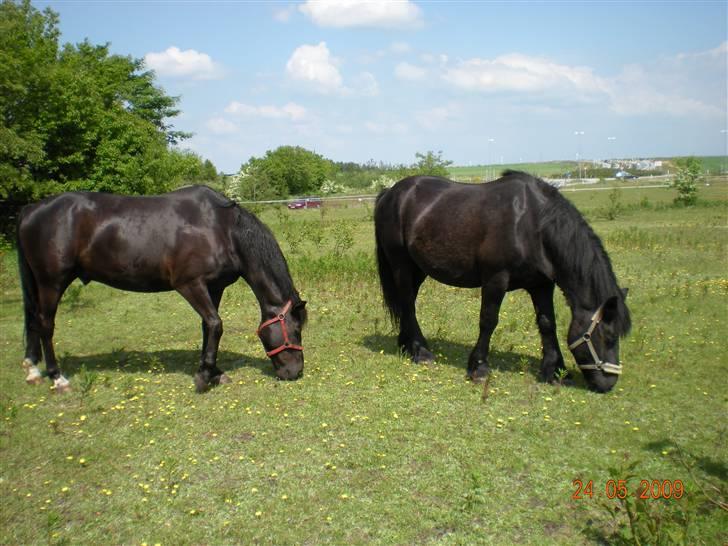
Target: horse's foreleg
<point x="205" y="303"/>
<point x="552" y="363"/>
<point x="492" y="297"/>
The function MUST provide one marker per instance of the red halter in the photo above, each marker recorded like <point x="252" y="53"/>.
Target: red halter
<point x="287" y="345"/>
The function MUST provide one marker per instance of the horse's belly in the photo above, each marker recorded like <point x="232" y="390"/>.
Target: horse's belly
<point x="446" y="266"/>
<point x="126" y="277"/>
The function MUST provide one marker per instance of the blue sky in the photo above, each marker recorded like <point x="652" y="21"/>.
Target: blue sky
<point x="484" y="82"/>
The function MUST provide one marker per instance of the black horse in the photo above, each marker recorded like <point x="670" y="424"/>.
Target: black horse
<point x="192" y="240"/>
<point x="516" y="232"/>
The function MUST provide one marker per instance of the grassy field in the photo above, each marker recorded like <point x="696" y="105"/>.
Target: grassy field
<point x="368" y="448"/>
<point x="710" y="164"/>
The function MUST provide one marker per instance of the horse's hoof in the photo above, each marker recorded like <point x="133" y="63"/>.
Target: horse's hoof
<point x="477" y="378"/>
<point x="33" y="375"/>
<point x="61" y="385"/>
<point x="423" y="356"/>
<point x="200" y="384"/>
<point x="34" y="379"/>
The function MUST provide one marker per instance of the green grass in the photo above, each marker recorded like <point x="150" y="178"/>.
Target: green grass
<point x="368" y="448"/>
<point x="543" y="169"/>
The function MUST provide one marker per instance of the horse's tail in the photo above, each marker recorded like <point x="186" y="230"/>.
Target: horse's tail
<point x="386" y="275"/>
<point x="27" y="282"/>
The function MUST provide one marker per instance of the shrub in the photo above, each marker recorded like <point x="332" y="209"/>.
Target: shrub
<point x="686" y="180"/>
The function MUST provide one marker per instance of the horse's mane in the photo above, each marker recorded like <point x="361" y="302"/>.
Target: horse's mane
<point x="577" y="252"/>
<point x="261" y="246"/>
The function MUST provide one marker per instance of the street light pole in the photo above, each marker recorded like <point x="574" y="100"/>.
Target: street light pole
<point x="488" y="168"/>
<point x="612" y="139"/>
<point x="578" y="152"/>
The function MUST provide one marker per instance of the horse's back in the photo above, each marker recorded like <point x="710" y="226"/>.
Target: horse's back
<point x="461" y="233"/>
<point x="145" y="243"/>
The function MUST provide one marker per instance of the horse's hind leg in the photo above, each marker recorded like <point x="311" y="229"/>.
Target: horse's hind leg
<point x="48" y="298"/>
<point x="552" y="363"/>
<point x="409" y="278"/>
<point x="33" y="352"/>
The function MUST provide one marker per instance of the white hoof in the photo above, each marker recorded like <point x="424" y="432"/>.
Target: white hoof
<point x="33" y="375"/>
<point x="61" y="385"/>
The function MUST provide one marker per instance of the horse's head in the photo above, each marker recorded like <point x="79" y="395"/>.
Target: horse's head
<point x="281" y="338"/>
<point x="594" y="341"/>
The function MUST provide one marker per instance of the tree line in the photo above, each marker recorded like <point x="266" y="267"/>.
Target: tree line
<point x="294" y="171"/>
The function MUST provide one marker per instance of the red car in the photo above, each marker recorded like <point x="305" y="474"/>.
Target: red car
<point x="305" y="203"/>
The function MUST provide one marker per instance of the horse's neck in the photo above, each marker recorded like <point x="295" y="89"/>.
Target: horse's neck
<point x="577" y="295"/>
<point x="272" y="287"/>
<point x="263" y="265"/>
<point x="271" y="298"/>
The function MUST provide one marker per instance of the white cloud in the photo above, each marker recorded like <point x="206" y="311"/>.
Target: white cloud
<point x="284" y="14"/>
<point x="434" y="118"/>
<point x="633" y="93"/>
<point x="221" y="126"/>
<point x="638" y="90"/>
<point x="363" y="13"/>
<point x="366" y="85"/>
<point x="379" y="128"/>
<point x="716" y="52"/>
<point x="516" y="72"/>
<point x="290" y="111"/>
<point x="315" y="66"/>
<point x="183" y="64"/>
<point x="409" y="72"/>
<point x="400" y="48"/>
<point x="429" y="58"/>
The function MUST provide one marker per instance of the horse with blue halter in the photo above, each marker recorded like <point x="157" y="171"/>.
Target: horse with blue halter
<point x="192" y="240"/>
<point x="514" y="233"/>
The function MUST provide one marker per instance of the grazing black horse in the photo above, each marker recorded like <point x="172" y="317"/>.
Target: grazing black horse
<point x="192" y="240"/>
<point x="516" y="232"/>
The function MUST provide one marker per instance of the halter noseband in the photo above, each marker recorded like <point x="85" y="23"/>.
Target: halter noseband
<point x="599" y="364"/>
<point x="281" y="317"/>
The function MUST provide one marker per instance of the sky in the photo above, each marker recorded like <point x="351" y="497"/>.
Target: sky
<point x="482" y="82"/>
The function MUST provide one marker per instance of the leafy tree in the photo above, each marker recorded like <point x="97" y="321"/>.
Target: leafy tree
<point x="431" y="163"/>
<point x="28" y="51"/>
<point x="686" y="180"/>
<point x="77" y="117"/>
<point x="287" y="170"/>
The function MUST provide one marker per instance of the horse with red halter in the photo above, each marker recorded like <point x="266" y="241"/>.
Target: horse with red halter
<point x="514" y="233"/>
<point x="192" y="240"/>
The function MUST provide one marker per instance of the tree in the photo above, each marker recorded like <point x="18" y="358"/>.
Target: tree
<point x="77" y="117"/>
<point x="686" y="180"/>
<point x="431" y="164"/>
<point x="287" y="170"/>
<point x="28" y="51"/>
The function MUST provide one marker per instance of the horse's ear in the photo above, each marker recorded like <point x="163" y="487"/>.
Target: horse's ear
<point x="625" y="291"/>
<point x="610" y="308"/>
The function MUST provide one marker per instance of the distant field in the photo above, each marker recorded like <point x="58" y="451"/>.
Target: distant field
<point x="368" y="448"/>
<point x="711" y="164"/>
<point x="539" y="169"/>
